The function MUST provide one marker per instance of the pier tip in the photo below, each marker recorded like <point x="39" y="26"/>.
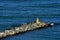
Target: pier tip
<point x="52" y="24"/>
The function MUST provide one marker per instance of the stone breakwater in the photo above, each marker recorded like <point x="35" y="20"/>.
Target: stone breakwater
<point x="22" y="28"/>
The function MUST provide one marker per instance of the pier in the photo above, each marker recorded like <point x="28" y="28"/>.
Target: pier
<point x="23" y="28"/>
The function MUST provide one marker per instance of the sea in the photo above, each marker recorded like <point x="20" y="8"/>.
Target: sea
<point x="16" y="12"/>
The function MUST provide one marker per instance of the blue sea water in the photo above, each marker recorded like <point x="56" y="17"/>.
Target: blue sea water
<point x="16" y="12"/>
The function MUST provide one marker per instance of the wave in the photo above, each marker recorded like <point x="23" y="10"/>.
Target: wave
<point x="8" y="17"/>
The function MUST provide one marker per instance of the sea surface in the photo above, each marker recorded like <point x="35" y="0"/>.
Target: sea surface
<point x="16" y="12"/>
